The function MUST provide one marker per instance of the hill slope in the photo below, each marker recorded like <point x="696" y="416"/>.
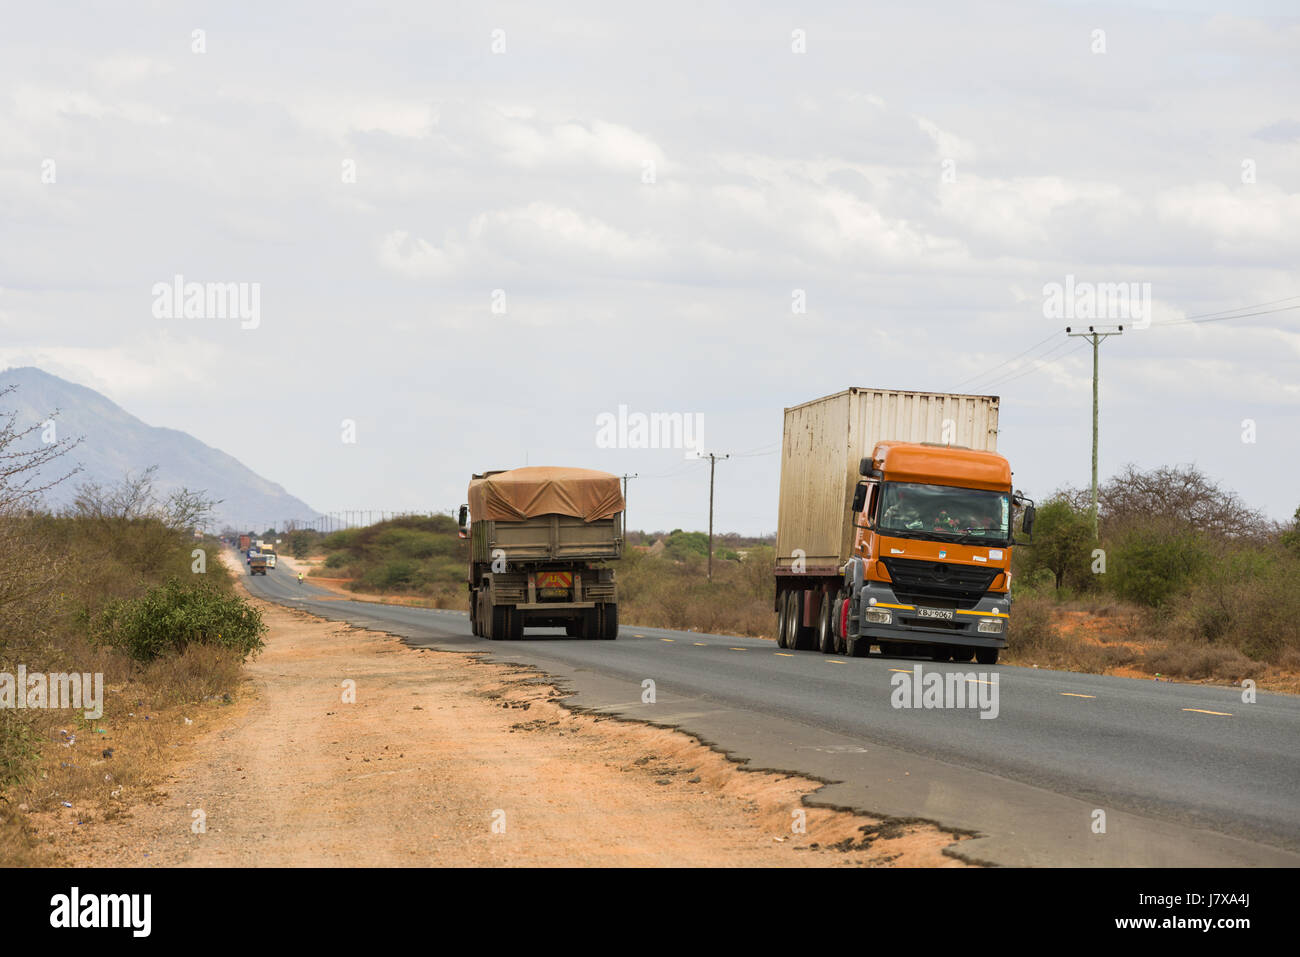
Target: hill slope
<point x="115" y="442"/>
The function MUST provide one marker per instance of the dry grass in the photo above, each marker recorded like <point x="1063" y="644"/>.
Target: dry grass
<point x="53" y="757"/>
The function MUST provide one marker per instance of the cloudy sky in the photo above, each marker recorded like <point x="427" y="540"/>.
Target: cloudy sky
<point x="477" y="227"/>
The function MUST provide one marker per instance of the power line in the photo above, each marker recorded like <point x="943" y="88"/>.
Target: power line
<point x="986" y="372"/>
<point x="1051" y="355"/>
<point x="1215" y="317"/>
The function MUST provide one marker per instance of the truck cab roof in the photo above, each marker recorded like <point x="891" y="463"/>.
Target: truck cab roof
<point x="930" y="464"/>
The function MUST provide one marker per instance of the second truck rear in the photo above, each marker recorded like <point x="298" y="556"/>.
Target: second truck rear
<point x="540" y="541"/>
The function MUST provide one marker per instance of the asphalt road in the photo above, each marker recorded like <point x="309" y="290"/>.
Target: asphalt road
<point x="1185" y="775"/>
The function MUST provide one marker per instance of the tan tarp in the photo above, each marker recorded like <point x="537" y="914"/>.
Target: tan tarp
<point x="542" y="490"/>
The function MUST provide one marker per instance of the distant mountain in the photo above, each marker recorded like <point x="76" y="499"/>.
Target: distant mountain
<point x="116" y="442"/>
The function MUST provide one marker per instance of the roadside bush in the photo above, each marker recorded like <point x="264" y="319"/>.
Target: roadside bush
<point x="1061" y="547"/>
<point x="1032" y="627"/>
<point x="176" y="614"/>
<point x="1187" y="660"/>
<point x="17" y="749"/>
<point x="398" y="574"/>
<point x="1154" y="562"/>
<point x="1245" y="600"/>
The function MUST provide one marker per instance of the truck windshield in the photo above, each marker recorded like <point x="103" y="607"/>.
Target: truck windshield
<point x="941" y="511"/>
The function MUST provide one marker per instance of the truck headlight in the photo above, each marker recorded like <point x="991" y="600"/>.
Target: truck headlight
<point x="879" y="616"/>
<point x="991" y="626"/>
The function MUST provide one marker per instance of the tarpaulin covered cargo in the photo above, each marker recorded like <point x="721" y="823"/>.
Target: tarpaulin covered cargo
<point x="525" y="493"/>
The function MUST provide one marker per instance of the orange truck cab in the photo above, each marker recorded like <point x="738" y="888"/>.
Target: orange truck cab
<point x="894" y="525"/>
<point x="931" y="559"/>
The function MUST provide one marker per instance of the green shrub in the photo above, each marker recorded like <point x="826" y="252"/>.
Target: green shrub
<point x="1152" y="564"/>
<point x="176" y="614"/>
<point x="1062" y="546"/>
<point x="397" y="574"/>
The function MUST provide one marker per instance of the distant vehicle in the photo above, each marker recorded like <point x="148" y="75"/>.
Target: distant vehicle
<point x="890" y="532"/>
<point x="244" y="542"/>
<point x="257" y="564"/>
<point x="270" y="559"/>
<point x="539" y="541"/>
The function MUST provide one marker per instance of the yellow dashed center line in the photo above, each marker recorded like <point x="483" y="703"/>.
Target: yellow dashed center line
<point x="638" y="636"/>
<point x="1222" y="714"/>
<point x="701" y="644"/>
<point x="978" y="681"/>
<point x="667" y="639"/>
<point x="737" y="649"/>
<point x="902" y="671"/>
<point x="834" y="661"/>
<point x="783" y="654"/>
<point x="1071" y="694"/>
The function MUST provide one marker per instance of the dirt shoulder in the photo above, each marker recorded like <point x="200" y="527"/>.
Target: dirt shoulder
<point x="450" y="759"/>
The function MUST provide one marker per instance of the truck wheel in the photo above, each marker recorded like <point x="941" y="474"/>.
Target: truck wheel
<point x="782" y="613"/>
<point x="986" y="656"/>
<point x="610" y="631"/>
<point x="856" y="647"/>
<point x="825" y="631"/>
<point x="589" y="625"/>
<point x="500" y="621"/>
<point x="794" y="621"/>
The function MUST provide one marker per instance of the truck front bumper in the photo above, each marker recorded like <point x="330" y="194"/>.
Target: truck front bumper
<point x="881" y="617"/>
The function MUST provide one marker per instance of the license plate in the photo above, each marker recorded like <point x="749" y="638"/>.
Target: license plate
<point x="555" y="580"/>
<point x="944" y="613"/>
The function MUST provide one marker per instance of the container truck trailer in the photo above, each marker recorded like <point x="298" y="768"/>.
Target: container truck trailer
<point x="895" y="526"/>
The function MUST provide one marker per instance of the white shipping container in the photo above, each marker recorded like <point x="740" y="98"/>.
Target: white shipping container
<point x="826" y="439"/>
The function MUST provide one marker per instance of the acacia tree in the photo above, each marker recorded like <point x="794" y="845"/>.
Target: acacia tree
<point x="27" y="564"/>
<point x="1062" y="541"/>
<point x="1173" y="496"/>
<point x="134" y="498"/>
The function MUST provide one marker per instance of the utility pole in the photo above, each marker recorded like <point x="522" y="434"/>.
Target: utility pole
<point x="1096" y="336"/>
<point x="626" y="529"/>
<point x="713" y="461"/>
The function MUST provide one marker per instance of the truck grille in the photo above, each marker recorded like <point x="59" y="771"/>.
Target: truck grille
<point x="917" y="581"/>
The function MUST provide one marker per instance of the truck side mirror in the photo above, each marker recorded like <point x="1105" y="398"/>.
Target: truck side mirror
<point x="1027" y="523"/>
<point x="859" y="497"/>
<point x="462" y="519"/>
<point x="864" y="466"/>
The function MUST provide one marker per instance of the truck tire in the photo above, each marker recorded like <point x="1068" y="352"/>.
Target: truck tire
<point x="500" y="622"/>
<point x="825" y="629"/>
<point x="794" y="621"/>
<point x="589" y="624"/>
<point x="986" y="656"/>
<point x="782" y="613"/>
<point x="610" y="630"/>
<point x="841" y="623"/>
